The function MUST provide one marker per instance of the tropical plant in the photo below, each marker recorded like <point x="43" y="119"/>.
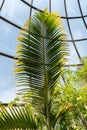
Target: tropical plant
<point x="82" y="71"/>
<point x="75" y="118"/>
<point x="75" y="92"/>
<point x="41" y="60"/>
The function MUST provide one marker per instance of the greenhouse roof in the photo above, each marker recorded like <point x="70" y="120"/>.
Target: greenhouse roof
<point x="13" y="15"/>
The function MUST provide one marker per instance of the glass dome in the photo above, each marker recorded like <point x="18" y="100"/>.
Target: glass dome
<point x="13" y="15"/>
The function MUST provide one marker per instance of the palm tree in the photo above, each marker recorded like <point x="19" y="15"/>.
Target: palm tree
<point x="41" y="60"/>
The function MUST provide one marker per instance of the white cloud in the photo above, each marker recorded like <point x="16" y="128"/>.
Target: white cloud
<point x="7" y="96"/>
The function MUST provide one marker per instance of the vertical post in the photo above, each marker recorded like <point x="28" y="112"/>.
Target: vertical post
<point x="49" y="5"/>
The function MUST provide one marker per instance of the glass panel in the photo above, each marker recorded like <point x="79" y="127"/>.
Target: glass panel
<point x="28" y="1"/>
<point x="16" y="11"/>
<point x="1" y="2"/>
<point x="78" y="28"/>
<point x="72" y="8"/>
<point x="6" y="80"/>
<point x="58" y="6"/>
<point x="41" y="4"/>
<point x="82" y="47"/>
<point x="84" y="6"/>
<point x="8" y="38"/>
<point x="86" y="20"/>
<point x="33" y="11"/>
<point x="66" y="29"/>
<point x="73" y="68"/>
<point x="72" y="58"/>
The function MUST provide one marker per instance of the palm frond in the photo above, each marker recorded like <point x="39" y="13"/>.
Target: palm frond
<point x="41" y="59"/>
<point x="17" y="118"/>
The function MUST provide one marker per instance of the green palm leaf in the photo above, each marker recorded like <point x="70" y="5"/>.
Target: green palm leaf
<point x="18" y="118"/>
<point x="40" y="60"/>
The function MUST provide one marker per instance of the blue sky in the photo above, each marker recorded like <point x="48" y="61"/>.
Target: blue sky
<point x="17" y="12"/>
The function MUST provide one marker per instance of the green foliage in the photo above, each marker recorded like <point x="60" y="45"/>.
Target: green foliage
<point x="76" y="101"/>
<point x="82" y="71"/>
<point x="17" y="117"/>
<point x="75" y="92"/>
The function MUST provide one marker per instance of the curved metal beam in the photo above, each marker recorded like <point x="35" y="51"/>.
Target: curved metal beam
<point x="82" y="14"/>
<point x="9" y="22"/>
<point x="71" y="33"/>
<point x="63" y="17"/>
<point x="18" y="27"/>
<point x="2" y="5"/>
<point x="8" y="56"/>
<point x="14" y="58"/>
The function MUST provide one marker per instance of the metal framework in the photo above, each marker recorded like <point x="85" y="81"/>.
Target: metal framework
<point x="66" y="17"/>
<point x="74" y="41"/>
